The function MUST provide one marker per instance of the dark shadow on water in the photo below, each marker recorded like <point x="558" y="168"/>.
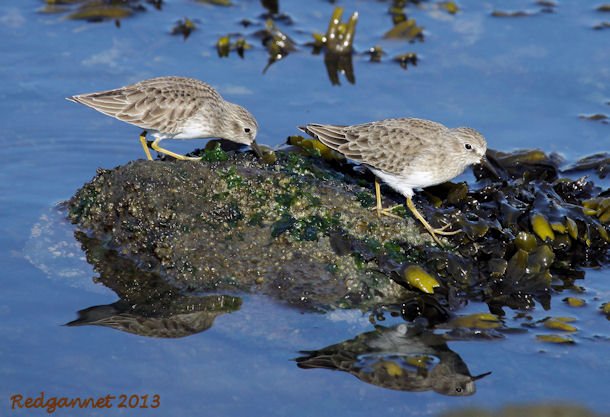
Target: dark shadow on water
<point x="404" y="358"/>
<point x="148" y="306"/>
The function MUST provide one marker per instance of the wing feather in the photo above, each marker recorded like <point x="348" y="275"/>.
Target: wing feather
<point x="160" y="104"/>
<point x="390" y="145"/>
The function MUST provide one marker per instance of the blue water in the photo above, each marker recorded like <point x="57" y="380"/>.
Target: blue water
<point x="523" y="82"/>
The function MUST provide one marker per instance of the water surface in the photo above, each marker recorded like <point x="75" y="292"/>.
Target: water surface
<point x="523" y="82"/>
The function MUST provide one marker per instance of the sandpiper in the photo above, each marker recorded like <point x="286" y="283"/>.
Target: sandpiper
<point x="406" y="153"/>
<point x="175" y="108"/>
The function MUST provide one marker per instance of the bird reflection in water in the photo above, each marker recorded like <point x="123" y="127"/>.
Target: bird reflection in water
<point x="404" y="358"/>
<point x="148" y="305"/>
<point x="183" y="317"/>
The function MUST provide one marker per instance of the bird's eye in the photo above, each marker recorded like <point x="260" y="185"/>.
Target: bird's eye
<point x="458" y="389"/>
<point x="247" y="129"/>
<point x="468" y="146"/>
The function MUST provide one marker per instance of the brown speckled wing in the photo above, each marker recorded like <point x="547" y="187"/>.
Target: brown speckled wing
<point x="389" y="145"/>
<point x="160" y="104"/>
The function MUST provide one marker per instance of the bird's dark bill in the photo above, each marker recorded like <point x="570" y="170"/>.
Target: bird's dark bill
<point x="257" y="150"/>
<point x="485" y="162"/>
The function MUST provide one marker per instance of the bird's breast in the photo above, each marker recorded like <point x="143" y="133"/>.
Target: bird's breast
<point x="405" y="182"/>
<point x="195" y="128"/>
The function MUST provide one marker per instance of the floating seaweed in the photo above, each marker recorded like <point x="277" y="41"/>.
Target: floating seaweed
<point x="546" y="3"/>
<point x="337" y="44"/>
<point x="407" y="30"/>
<point x="224" y="3"/>
<point x="273" y="12"/>
<point x="241" y="46"/>
<point x="560" y="323"/>
<point x="410" y="58"/>
<point x="574" y="301"/>
<point x="273" y="6"/>
<point x="277" y="43"/>
<point x="516" y="13"/>
<point x="376" y="53"/>
<point x="450" y="6"/>
<point x="99" y="10"/>
<point x="397" y="11"/>
<point x="597" y="117"/>
<point x="605" y="309"/>
<point x="602" y="25"/>
<point x="224" y="46"/>
<point x="557" y="339"/>
<point x="547" y="6"/>
<point x="598" y="163"/>
<point x="184" y="27"/>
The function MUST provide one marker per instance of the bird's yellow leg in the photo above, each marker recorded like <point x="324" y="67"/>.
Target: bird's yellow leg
<point x="433" y="232"/>
<point x="378" y="197"/>
<point x="380" y="210"/>
<point x="145" y="145"/>
<point x="156" y="147"/>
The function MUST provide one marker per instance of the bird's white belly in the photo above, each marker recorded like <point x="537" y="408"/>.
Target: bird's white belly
<point x="194" y="129"/>
<point x="405" y="184"/>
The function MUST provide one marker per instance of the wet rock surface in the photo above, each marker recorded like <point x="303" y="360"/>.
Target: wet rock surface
<point x="302" y="231"/>
<point x="285" y="230"/>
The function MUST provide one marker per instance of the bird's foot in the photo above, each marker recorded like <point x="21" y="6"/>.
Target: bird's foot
<point x="442" y="231"/>
<point x="156" y="147"/>
<point x="387" y="211"/>
<point x="189" y="158"/>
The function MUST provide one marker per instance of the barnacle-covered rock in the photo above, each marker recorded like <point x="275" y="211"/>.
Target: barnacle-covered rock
<point x="292" y="230"/>
<point x="300" y="229"/>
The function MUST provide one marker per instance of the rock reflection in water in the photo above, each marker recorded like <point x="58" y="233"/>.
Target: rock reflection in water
<point x="148" y="305"/>
<point x="401" y="358"/>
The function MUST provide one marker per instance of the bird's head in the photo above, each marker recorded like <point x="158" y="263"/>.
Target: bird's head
<point x="240" y="126"/>
<point x="471" y="145"/>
